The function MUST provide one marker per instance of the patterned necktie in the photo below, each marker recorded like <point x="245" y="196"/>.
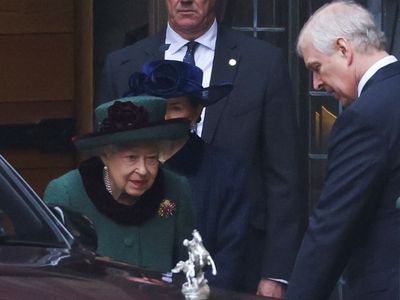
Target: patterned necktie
<point x="189" y="56"/>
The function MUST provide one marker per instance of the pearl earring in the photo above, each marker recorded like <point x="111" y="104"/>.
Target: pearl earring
<point x="106" y="178"/>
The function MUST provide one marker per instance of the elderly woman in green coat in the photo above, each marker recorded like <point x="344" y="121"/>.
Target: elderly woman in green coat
<point x="141" y="212"/>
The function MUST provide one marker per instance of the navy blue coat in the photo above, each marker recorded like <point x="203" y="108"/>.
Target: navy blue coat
<point x="356" y="226"/>
<point x="218" y="182"/>
<point x="258" y="120"/>
<point x="221" y="204"/>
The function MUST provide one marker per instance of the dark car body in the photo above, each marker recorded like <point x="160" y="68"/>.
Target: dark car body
<point x="41" y="259"/>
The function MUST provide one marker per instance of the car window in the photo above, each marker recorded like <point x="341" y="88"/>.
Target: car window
<point x="6" y="224"/>
<point x="20" y="220"/>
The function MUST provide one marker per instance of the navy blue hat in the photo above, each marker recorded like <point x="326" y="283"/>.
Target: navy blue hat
<point x="171" y="79"/>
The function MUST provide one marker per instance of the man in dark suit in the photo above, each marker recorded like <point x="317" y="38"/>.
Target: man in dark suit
<point x="257" y="120"/>
<point x="355" y="228"/>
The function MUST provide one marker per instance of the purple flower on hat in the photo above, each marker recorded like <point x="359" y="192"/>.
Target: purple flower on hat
<point x="123" y="116"/>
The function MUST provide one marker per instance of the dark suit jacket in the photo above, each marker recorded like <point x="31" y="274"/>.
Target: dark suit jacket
<point x="356" y="224"/>
<point x="218" y="184"/>
<point x="258" y="121"/>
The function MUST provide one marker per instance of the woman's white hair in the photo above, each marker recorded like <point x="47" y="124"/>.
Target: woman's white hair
<point x="345" y="19"/>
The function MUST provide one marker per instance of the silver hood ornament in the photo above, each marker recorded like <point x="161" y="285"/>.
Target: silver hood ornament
<point x="195" y="287"/>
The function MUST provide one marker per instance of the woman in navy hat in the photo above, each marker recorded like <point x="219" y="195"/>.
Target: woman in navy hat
<point x="140" y="211"/>
<point x="217" y="179"/>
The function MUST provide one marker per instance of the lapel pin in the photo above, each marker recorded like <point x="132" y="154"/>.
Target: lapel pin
<point x="232" y="62"/>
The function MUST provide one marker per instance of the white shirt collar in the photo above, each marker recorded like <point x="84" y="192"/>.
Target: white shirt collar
<point x="373" y="69"/>
<point x="176" y="42"/>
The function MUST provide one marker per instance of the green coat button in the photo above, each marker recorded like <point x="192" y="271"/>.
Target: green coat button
<point x="128" y="242"/>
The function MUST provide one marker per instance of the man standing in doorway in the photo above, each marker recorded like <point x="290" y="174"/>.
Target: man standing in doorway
<point x="355" y="228"/>
<point x="257" y="120"/>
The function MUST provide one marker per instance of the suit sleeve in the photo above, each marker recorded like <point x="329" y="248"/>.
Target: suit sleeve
<point x="105" y="90"/>
<point x="233" y="216"/>
<point x="356" y="166"/>
<point x="286" y="207"/>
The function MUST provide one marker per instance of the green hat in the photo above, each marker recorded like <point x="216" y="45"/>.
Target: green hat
<point x="131" y="119"/>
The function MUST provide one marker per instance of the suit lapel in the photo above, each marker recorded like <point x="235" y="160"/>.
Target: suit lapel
<point x="383" y="73"/>
<point x="225" y="66"/>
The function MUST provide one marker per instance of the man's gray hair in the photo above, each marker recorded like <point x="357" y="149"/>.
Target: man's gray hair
<point x="345" y="19"/>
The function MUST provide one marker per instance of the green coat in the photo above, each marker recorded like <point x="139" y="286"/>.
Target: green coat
<point x="156" y="243"/>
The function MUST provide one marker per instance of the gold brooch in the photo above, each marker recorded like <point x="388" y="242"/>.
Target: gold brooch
<point x="167" y="208"/>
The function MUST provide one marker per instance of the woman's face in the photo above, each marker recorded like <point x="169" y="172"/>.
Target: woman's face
<point x="132" y="170"/>
<point x="182" y="107"/>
